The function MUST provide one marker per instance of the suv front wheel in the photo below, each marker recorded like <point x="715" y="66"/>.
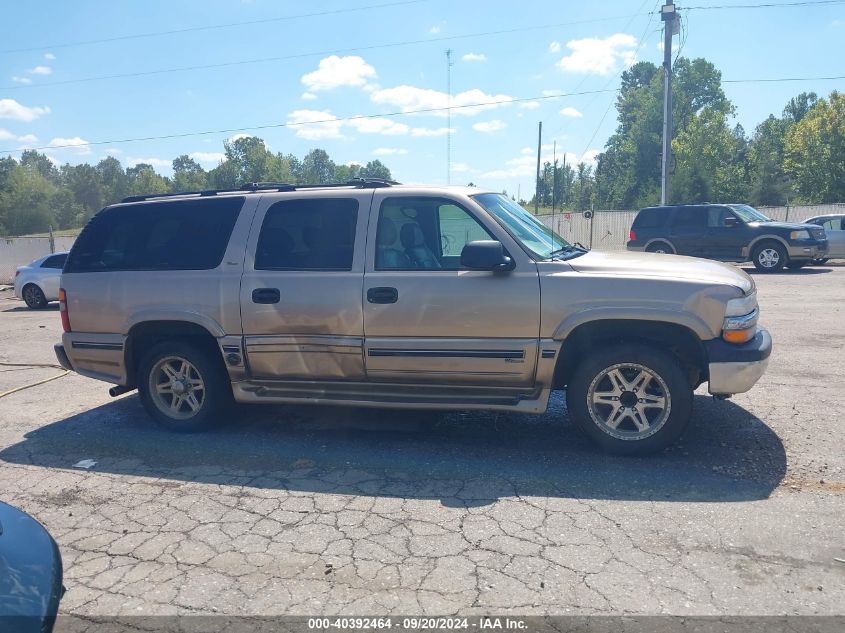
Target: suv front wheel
<point x="769" y="257"/>
<point x="630" y="399"/>
<point x="183" y="387"/>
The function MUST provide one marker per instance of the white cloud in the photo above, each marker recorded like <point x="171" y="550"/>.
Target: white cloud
<point x="571" y="112"/>
<point x="529" y="105"/>
<point x="208" y="158"/>
<point x="589" y="157"/>
<point x="434" y="30"/>
<point x="599" y="56"/>
<point x="378" y="125"/>
<point x="315" y="124"/>
<point x="554" y="47"/>
<point x="40" y="70"/>
<point x="6" y="135"/>
<point x="308" y="96"/>
<point x="525" y="165"/>
<point x="161" y="163"/>
<point x="489" y="126"/>
<point x="428" y="131"/>
<point x="474" y="57"/>
<point x="389" y="151"/>
<point x="413" y="98"/>
<point x="460" y="168"/>
<point x="235" y="137"/>
<point x="11" y="109"/>
<point x="49" y="56"/>
<point x="333" y="72"/>
<point x="21" y="80"/>
<point x="75" y="143"/>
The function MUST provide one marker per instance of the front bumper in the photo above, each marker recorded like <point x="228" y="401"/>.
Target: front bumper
<point x="807" y="251"/>
<point x="737" y="368"/>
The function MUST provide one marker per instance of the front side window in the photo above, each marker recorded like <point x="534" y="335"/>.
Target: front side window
<point x="716" y="217"/>
<point x="424" y="234"/>
<point x="172" y="235"/>
<point x="833" y="224"/>
<point x="542" y="241"/>
<point x="308" y="234"/>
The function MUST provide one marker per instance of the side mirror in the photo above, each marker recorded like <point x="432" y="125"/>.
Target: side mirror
<point x="731" y="222"/>
<point x="486" y="255"/>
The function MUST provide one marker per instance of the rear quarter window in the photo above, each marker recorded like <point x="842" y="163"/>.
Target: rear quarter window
<point x="651" y="218"/>
<point x="173" y="235"/>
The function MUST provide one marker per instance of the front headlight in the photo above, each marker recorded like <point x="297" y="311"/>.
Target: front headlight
<point x="740" y="324"/>
<point x="799" y="235"/>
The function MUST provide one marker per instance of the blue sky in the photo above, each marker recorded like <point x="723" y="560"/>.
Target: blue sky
<point x="493" y="145"/>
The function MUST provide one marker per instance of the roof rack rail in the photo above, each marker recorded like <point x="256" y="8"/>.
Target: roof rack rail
<point x="251" y="187"/>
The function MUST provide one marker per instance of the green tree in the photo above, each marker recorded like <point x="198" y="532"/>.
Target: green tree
<point x="114" y="180"/>
<point x="375" y="169"/>
<point x="188" y="174"/>
<point x="318" y="168"/>
<point x="25" y="202"/>
<point x="815" y="151"/>
<point x="143" y="180"/>
<point x="42" y="164"/>
<point x="85" y="183"/>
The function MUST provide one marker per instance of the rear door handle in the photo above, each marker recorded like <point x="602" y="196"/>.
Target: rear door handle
<point x="382" y="294"/>
<point x="266" y="295"/>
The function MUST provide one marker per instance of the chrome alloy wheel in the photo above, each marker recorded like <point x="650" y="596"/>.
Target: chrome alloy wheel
<point x="629" y="401"/>
<point x="177" y="388"/>
<point x="768" y="258"/>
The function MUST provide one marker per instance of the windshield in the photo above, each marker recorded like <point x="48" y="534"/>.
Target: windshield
<point x="749" y="214"/>
<point x="525" y="227"/>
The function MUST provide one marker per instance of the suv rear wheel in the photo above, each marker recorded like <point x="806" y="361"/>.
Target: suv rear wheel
<point x="183" y="387"/>
<point x="630" y="399"/>
<point x="660" y="247"/>
<point x="769" y="257"/>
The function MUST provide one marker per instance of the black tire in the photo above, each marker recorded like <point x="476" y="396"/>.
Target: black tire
<point x="34" y="297"/>
<point x="820" y="262"/>
<point x="216" y="397"/>
<point x="660" y="247"/>
<point x="670" y="422"/>
<point x="763" y="259"/>
<point x="797" y="265"/>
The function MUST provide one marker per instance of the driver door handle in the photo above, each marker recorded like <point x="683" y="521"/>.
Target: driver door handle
<point x="382" y="294"/>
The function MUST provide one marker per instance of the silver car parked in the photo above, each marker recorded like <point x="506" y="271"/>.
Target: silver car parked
<point x="834" y="228"/>
<point x="37" y="283"/>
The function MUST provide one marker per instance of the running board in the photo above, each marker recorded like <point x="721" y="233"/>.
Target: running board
<point x="392" y="395"/>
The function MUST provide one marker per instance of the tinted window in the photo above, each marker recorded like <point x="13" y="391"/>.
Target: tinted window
<point x="651" y="218"/>
<point x="424" y="233"/>
<point x="690" y="217"/>
<point x="172" y="235"/>
<point x="716" y="216"/>
<point x="55" y="261"/>
<point x="311" y="234"/>
<point x="833" y="224"/>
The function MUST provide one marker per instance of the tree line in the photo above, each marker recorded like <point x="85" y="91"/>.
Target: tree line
<point x="36" y="194"/>
<point x="795" y="158"/>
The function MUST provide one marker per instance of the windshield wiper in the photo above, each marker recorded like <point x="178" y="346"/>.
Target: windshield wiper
<point x="575" y="250"/>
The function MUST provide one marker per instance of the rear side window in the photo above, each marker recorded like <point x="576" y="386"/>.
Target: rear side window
<point x="833" y="224"/>
<point x="54" y="261"/>
<point x="690" y="217"/>
<point x="177" y="235"/>
<point x="310" y="234"/>
<point x="651" y="218"/>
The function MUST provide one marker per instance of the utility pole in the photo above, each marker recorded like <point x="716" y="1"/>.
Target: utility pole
<point x="449" y="117"/>
<point x="537" y="183"/>
<point x="554" y="182"/>
<point x="671" y="23"/>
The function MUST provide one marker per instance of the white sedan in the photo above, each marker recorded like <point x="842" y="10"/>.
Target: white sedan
<point x="37" y="283"/>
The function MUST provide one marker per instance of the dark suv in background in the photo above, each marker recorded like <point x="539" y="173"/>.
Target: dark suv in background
<point x="729" y="233"/>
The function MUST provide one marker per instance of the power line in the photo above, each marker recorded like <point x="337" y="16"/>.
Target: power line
<point x="313" y="122"/>
<point x="376" y="116"/>
<point x="209" y="27"/>
<point x="357" y="49"/>
<point x="781" y="5"/>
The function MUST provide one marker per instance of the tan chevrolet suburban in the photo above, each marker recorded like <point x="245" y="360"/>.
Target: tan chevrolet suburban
<point x="376" y="294"/>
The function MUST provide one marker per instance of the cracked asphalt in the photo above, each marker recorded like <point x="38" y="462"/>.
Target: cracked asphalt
<point x="306" y="510"/>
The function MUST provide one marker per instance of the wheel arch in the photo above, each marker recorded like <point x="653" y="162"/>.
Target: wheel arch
<point x="766" y="238"/>
<point x="664" y="240"/>
<point x="676" y="338"/>
<point x="144" y="334"/>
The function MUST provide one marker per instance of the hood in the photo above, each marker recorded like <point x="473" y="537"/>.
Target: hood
<point x="786" y="226"/>
<point x="658" y="265"/>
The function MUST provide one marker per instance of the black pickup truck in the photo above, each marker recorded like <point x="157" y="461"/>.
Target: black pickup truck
<point x="729" y="233"/>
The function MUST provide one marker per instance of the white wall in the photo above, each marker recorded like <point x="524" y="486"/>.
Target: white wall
<point x="19" y="251"/>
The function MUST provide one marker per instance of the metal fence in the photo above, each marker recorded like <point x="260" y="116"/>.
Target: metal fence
<point x="608" y="229"/>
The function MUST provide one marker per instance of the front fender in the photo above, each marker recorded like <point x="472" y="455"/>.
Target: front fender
<point x="685" y="319"/>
